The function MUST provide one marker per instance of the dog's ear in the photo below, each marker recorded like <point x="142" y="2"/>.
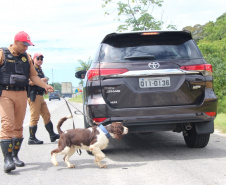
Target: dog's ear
<point x="118" y="130"/>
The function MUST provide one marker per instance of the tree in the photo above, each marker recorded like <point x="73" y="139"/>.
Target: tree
<point x="197" y="31"/>
<point x="216" y="30"/>
<point x="138" y="14"/>
<point x="56" y="86"/>
<point x="84" y="65"/>
<point x="213" y="48"/>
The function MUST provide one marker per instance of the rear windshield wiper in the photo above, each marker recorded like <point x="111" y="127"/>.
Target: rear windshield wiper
<point x="152" y="57"/>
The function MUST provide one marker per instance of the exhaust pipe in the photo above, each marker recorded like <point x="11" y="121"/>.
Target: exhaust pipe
<point x="188" y="126"/>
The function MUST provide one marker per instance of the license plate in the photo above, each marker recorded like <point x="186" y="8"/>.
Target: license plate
<point x="154" y="82"/>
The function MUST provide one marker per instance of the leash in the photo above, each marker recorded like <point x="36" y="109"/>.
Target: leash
<point x="70" y="112"/>
<point x="98" y="124"/>
<point x="76" y="112"/>
<point x="84" y="114"/>
<point x="79" y="150"/>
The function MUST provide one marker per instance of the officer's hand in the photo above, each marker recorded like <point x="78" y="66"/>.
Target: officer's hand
<point x="49" y="88"/>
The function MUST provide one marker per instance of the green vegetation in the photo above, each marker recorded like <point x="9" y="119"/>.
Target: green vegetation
<point x="211" y="40"/>
<point x="220" y="122"/>
<point x="213" y="48"/>
<point x="56" y="86"/>
<point x="222" y="105"/>
<point x="85" y="65"/>
<point x="76" y="99"/>
<point x="136" y="15"/>
<point x="197" y="31"/>
<point x="46" y="96"/>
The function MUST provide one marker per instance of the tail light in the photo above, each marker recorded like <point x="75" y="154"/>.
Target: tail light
<point x="205" y="69"/>
<point x="150" y="33"/>
<point x="211" y="113"/>
<point x="93" y="74"/>
<point x="98" y="120"/>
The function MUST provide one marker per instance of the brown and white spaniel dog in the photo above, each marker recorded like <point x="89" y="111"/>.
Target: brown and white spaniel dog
<point x="93" y="139"/>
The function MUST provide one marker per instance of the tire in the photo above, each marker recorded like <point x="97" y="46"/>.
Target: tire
<point x="193" y="140"/>
<point x="49" y="99"/>
<point x="86" y="125"/>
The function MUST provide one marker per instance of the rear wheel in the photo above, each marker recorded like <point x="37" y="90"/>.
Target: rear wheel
<point x="193" y="140"/>
<point x="86" y="125"/>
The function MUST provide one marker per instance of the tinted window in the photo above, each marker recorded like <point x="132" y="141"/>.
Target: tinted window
<point x="157" y="50"/>
<point x="54" y="94"/>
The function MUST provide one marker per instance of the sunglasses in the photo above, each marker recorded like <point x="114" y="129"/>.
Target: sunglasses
<point x="40" y="58"/>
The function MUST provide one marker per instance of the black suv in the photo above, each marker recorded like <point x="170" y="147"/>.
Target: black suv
<point x="151" y="81"/>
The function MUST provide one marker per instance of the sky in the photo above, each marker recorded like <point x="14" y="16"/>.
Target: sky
<point x="66" y="31"/>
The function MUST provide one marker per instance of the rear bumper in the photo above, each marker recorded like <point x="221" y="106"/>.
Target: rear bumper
<point x="154" y="118"/>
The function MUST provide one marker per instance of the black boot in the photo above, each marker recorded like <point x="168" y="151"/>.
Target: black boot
<point x="16" y="148"/>
<point x="7" y="147"/>
<point x="32" y="139"/>
<point x="49" y="128"/>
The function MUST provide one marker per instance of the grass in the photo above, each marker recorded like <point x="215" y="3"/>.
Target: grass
<point x="46" y="96"/>
<point x="222" y="105"/>
<point x="77" y="99"/>
<point x="219" y="123"/>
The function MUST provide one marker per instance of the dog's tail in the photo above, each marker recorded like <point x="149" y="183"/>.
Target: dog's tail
<point x="60" y="123"/>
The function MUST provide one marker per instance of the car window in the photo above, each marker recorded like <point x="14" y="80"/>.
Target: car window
<point x="158" y="51"/>
<point x="53" y="93"/>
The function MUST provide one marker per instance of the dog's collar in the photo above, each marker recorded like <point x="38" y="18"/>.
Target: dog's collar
<point x="105" y="131"/>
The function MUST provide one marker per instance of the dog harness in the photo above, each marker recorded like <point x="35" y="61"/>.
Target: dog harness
<point x="104" y="130"/>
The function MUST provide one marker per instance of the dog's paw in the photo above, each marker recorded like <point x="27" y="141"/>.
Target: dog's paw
<point x="100" y="165"/>
<point x="55" y="164"/>
<point x="71" y="166"/>
<point x="103" y="166"/>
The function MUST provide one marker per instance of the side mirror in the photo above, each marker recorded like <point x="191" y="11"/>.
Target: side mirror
<point x="80" y="74"/>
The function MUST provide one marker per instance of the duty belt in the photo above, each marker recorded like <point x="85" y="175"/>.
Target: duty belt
<point x="40" y="92"/>
<point x="12" y="88"/>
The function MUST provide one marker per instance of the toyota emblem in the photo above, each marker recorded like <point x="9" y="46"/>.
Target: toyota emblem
<point x="154" y="65"/>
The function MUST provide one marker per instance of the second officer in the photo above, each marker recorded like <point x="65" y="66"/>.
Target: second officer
<point x="38" y="105"/>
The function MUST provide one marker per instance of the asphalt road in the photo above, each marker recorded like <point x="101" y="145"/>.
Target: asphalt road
<point x="158" y="159"/>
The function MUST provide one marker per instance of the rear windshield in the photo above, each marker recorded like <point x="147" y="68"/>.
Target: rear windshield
<point x="157" y="50"/>
<point x="54" y="94"/>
